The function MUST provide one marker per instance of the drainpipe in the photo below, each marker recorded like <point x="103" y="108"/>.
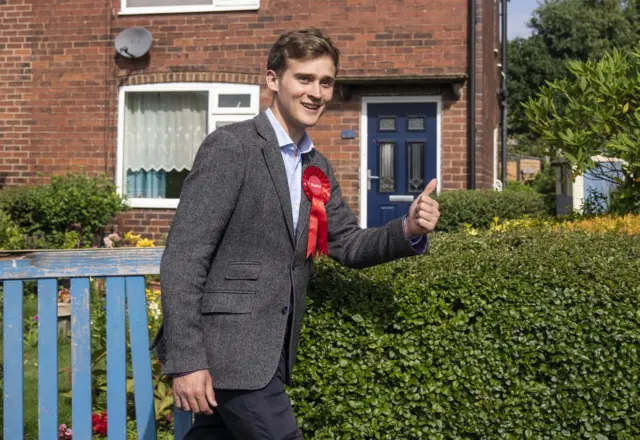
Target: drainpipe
<point x="472" y="94"/>
<point x="504" y="94"/>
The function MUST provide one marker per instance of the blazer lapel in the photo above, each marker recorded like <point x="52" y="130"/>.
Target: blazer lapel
<point x="305" y="204"/>
<point x="275" y="164"/>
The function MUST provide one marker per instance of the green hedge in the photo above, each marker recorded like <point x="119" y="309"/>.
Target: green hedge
<point x="505" y="336"/>
<point x="478" y="208"/>
<point x="71" y="211"/>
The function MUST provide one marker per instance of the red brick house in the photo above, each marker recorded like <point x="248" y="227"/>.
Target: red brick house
<point x="401" y="113"/>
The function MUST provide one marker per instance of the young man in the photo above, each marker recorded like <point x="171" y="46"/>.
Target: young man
<point x="257" y="203"/>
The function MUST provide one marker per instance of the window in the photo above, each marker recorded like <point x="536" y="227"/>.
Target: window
<point x="177" y="6"/>
<point x="387" y="123"/>
<point x="387" y="166"/>
<point x="415" y="123"/>
<point x="160" y="129"/>
<point x="415" y="167"/>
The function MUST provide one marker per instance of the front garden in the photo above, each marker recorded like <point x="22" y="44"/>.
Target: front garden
<point x="515" y="326"/>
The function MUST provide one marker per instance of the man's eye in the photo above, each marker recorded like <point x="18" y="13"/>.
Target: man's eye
<point x="327" y="83"/>
<point x="303" y="79"/>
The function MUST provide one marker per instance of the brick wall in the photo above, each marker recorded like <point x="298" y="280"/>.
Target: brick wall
<point x="16" y="44"/>
<point x="152" y="223"/>
<point x="60" y="76"/>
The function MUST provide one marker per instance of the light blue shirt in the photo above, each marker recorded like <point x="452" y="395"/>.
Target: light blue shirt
<point x="293" y="166"/>
<point x="292" y="163"/>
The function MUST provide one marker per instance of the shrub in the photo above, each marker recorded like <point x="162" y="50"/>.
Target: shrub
<point x="628" y="224"/>
<point x="10" y="235"/>
<point x="494" y="336"/>
<point x="71" y="211"/>
<point x="594" y="111"/>
<point x="479" y="208"/>
<point x="516" y="186"/>
<point x="545" y="184"/>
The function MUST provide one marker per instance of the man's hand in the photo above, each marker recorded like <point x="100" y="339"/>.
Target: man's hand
<point x="194" y="392"/>
<point x="423" y="214"/>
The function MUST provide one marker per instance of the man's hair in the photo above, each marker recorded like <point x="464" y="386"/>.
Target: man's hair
<point x="303" y="44"/>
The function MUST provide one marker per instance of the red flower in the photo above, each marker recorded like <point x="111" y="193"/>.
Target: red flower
<point x="99" y="423"/>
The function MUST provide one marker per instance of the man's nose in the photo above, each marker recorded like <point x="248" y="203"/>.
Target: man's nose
<point x="314" y="90"/>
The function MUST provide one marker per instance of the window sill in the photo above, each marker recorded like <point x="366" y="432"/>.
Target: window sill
<point x="185" y="9"/>
<point x="153" y="203"/>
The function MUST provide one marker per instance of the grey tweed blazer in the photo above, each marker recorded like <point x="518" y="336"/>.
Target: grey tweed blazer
<point x="232" y="266"/>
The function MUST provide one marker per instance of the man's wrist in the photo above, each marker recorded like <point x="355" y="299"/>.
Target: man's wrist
<point x="405" y="230"/>
<point x="405" y="227"/>
<point x="419" y="243"/>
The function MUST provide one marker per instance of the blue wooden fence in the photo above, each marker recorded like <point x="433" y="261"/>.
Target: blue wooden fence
<point x="124" y="270"/>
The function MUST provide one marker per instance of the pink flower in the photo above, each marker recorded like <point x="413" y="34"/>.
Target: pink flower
<point x="107" y="242"/>
<point x="114" y="237"/>
<point x="65" y="433"/>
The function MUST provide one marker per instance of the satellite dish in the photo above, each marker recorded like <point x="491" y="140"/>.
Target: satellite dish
<point x="133" y="42"/>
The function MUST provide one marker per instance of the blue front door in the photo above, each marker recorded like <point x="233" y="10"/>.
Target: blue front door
<point x="402" y="157"/>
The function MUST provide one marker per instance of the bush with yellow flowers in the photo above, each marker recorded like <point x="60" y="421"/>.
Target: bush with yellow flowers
<point x="628" y="224"/>
<point x="154" y="310"/>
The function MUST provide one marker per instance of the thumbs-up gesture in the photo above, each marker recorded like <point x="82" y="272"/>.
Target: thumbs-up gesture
<point x="423" y="214"/>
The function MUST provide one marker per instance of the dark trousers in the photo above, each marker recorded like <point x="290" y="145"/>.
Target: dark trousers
<point x="263" y="414"/>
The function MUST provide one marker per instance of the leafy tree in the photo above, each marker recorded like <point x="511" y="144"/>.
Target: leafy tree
<point x="595" y="111"/>
<point x="585" y="29"/>
<point x="530" y="65"/>
<point x="564" y="30"/>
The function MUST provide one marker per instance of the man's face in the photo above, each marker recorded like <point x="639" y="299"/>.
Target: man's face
<point x="302" y="92"/>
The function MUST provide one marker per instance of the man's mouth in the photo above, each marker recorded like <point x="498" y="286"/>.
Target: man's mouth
<point x="311" y="106"/>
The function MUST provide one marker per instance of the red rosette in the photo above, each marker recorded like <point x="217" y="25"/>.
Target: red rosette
<point x="318" y="190"/>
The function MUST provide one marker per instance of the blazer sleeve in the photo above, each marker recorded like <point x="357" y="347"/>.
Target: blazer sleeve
<point x="208" y="198"/>
<point x="355" y="247"/>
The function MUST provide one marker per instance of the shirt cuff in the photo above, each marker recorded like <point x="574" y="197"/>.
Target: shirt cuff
<point x="419" y="244"/>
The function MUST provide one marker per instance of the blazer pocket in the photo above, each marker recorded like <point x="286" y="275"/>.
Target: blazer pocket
<point x="249" y="270"/>
<point x="226" y="301"/>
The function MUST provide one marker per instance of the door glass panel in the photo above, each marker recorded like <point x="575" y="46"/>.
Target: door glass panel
<point x="387" y="166"/>
<point x="415" y="123"/>
<point x="387" y="123"/>
<point x="415" y="171"/>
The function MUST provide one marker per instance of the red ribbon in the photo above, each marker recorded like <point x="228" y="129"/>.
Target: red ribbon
<point x="318" y="189"/>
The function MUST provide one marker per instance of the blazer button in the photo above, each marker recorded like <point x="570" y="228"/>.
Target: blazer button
<point x="285" y="310"/>
<point x="294" y="266"/>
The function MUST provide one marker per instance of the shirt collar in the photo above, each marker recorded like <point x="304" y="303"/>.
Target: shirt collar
<point x="284" y="140"/>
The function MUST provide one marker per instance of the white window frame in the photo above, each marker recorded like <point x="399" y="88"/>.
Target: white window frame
<point x="215" y="114"/>
<point x="215" y="6"/>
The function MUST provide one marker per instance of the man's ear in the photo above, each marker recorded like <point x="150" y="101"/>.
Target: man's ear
<point x="272" y="80"/>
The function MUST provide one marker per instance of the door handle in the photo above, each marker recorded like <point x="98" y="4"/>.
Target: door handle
<point x="370" y="178"/>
